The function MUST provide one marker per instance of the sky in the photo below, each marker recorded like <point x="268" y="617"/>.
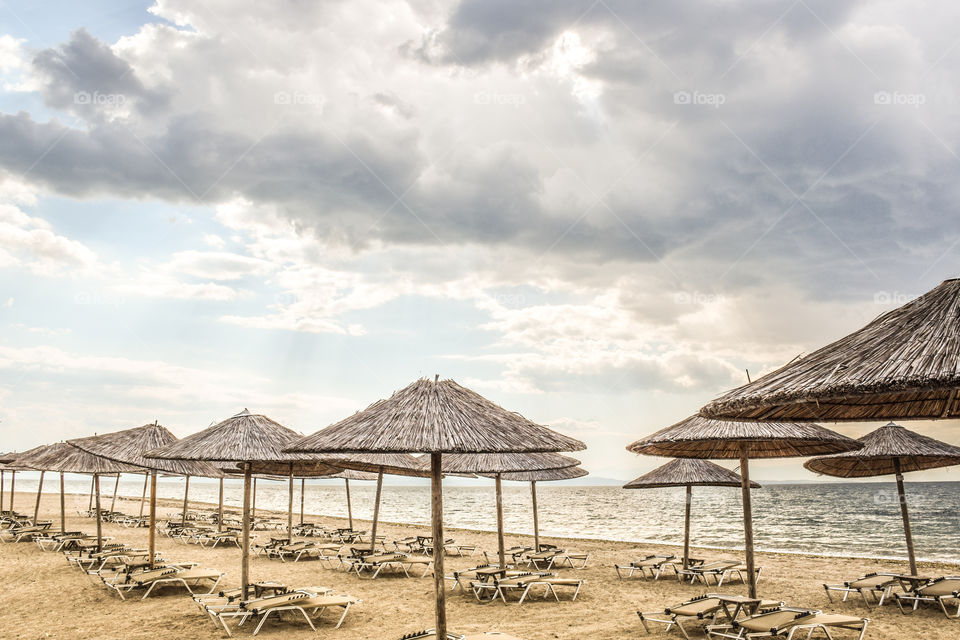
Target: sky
<point x="600" y="215"/>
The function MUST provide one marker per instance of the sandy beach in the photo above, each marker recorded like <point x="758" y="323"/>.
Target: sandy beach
<point x="45" y="598"/>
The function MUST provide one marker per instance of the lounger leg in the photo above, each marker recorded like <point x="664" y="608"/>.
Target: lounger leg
<point x="343" y="616"/>
<point x="152" y="585"/>
<point x="262" y="620"/>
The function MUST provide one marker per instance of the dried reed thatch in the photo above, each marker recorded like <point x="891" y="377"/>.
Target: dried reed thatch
<point x="245" y="437"/>
<point x="350" y="474"/>
<point x="700" y="437"/>
<point x="130" y="446"/>
<point x="69" y="459"/>
<point x="886" y="449"/>
<point x="903" y="365"/>
<point x="7" y="457"/>
<point x="281" y="470"/>
<point x="395" y="464"/>
<point x="688" y="472"/>
<point x="494" y="463"/>
<point x="435" y="416"/>
<point x="545" y="475"/>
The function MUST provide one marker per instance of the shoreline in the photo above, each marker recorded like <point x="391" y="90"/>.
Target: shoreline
<point x="174" y="503"/>
<point x="73" y="607"/>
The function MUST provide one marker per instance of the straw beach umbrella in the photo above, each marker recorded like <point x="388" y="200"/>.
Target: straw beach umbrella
<point x="542" y="475"/>
<point x="904" y="365"/>
<point x="891" y="449"/>
<point x="436" y="417"/>
<point x="63" y="458"/>
<point x="688" y="472"/>
<point x="700" y="437"/>
<point x="495" y="465"/>
<point x="129" y="446"/>
<point x="245" y="438"/>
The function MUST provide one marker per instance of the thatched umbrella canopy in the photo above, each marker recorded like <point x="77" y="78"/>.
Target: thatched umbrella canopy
<point x="436" y="417"/>
<point x="128" y="446"/>
<point x="903" y="365"/>
<point x="688" y="472"/>
<point x="891" y="449"/>
<point x="64" y="458"/>
<point x="12" y="465"/>
<point x="7" y="457"/>
<point x="245" y="438"/>
<point x="541" y="475"/>
<point x="700" y="437"/>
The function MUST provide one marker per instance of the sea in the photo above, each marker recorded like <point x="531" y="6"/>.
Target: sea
<point x="832" y="519"/>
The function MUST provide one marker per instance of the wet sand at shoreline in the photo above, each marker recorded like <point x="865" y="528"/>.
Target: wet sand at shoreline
<point x="45" y="598"/>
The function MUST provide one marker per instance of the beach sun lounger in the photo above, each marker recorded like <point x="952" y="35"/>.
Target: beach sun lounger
<point x="877" y="585"/>
<point x="431" y="634"/>
<point x="719" y="570"/>
<point x="705" y="610"/>
<point x="305" y="601"/>
<point x="788" y="622"/>
<point x="942" y="591"/>
<point x="652" y="565"/>
<point x="499" y="587"/>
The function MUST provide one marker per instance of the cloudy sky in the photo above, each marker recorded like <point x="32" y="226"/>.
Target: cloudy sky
<point x="598" y="214"/>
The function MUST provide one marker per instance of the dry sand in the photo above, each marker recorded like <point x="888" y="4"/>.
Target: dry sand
<point x="42" y="597"/>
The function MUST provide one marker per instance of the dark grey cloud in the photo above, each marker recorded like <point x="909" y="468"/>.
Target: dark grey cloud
<point x="84" y="76"/>
<point x="718" y="191"/>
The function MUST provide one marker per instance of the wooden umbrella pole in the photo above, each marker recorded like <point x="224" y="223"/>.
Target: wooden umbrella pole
<point x="245" y="532"/>
<point x="686" y="528"/>
<point x="153" y="517"/>
<point x="220" y="508"/>
<point x="501" y="554"/>
<point x="1" y="490"/>
<point x="536" y="516"/>
<point x="116" y="485"/>
<point x="906" y="517"/>
<point x="90" y="506"/>
<point x="186" y="496"/>
<point x="376" y="510"/>
<point x="63" y="505"/>
<point x="346" y="481"/>
<point x="36" y="507"/>
<point x="13" y="481"/>
<point x="143" y="496"/>
<point x="747" y="517"/>
<point x="253" y="508"/>
<point x="96" y="484"/>
<point x="290" y="508"/>
<point x="303" y="492"/>
<point x="436" y="520"/>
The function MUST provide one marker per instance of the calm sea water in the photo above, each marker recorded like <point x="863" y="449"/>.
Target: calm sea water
<point x="856" y="519"/>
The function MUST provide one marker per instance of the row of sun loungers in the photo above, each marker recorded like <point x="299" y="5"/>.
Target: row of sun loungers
<point x="714" y="572"/>
<point x="734" y="616"/>
<point x="273" y="599"/>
